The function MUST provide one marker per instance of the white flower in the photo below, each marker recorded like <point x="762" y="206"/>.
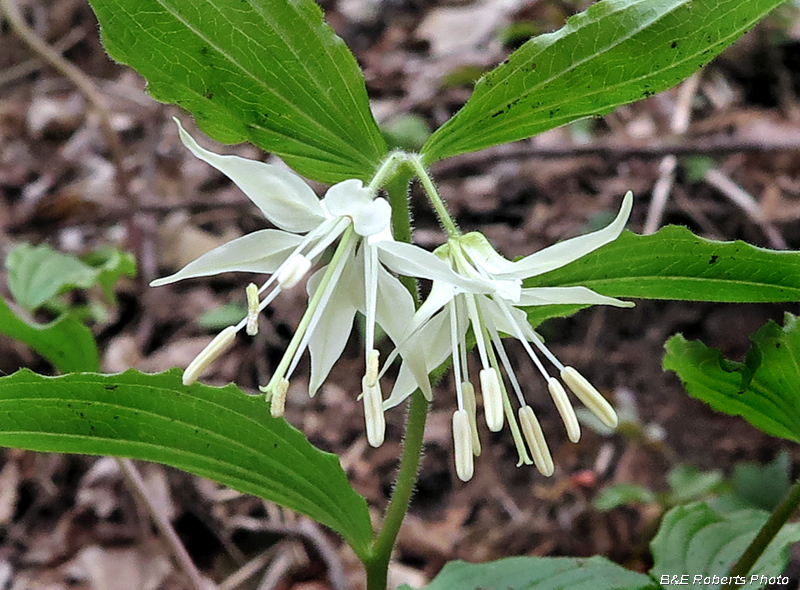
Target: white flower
<point x="440" y="327"/>
<point x="349" y="216"/>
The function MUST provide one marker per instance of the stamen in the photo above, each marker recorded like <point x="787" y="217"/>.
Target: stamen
<point x="590" y="397"/>
<point x="565" y="409"/>
<point x="373" y="364"/>
<point x="535" y="438"/>
<point x="216" y="347"/>
<point x="295" y="269"/>
<point x="468" y="395"/>
<point x="492" y="399"/>
<point x="278" y="399"/>
<point x="373" y="412"/>
<point x="252" y="309"/>
<point x="462" y="442"/>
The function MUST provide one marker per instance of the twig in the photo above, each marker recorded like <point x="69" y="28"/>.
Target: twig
<point x="81" y="81"/>
<point x="29" y="66"/>
<point x="666" y="170"/>
<point x="740" y="197"/>
<point x="137" y="486"/>
<point x="616" y="150"/>
<point x="248" y="570"/>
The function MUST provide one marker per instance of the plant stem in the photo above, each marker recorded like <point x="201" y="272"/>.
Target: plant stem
<point x="378" y="565"/>
<point x="434" y="197"/>
<point x="765" y="536"/>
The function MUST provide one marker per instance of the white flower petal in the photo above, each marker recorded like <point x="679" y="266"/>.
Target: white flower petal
<point x="335" y="324"/>
<point x="261" y="251"/>
<point x="373" y="218"/>
<point x="433" y="339"/>
<point x="283" y="197"/>
<point x="413" y="261"/>
<point x="567" y="295"/>
<point x="395" y="308"/>
<point x="568" y="251"/>
<point x="347" y="197"/>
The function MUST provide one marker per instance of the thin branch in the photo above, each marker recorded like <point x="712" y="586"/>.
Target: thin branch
<point x="137" y="486"/>
<point x="81" y="81"/>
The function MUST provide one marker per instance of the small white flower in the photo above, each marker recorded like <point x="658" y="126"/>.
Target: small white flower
<point x="357" y="222"/>
<point x="440" y="327"/>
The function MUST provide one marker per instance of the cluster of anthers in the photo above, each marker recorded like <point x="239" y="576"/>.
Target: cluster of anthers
<point x="472" y="287"/>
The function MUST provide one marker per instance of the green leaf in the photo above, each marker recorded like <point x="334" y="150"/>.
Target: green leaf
<point x="539" y="573"/>
<point x="771" y="402"/>
<point x="673" y="263"/>
<point x="621" y="494"/>
<point x="66" y="343"/>
<point x="616" y="52"/>
<point x="268" y="72"/>
<point x="763" y="486"/>
<point x="686" y="483"/>
<point x="36" y="274"/>
<point x="701" y="543"/>
<point x="218" y="433"/>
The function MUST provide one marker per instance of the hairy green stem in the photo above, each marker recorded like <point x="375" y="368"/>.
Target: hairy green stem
<point x="434" y="197"/>
<point x="765" y="536"/>
<point x="377" y="563"/>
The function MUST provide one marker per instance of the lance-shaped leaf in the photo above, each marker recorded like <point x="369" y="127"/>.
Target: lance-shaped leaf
<point x="218" y="433"/>
<point x="766" y="395"/>
<point x="702" y="544"/>
<point x="676" y="264"/>
<point x="539" y="573"/>
<point x="616" y="52"/>
<point x="269" y="72"/>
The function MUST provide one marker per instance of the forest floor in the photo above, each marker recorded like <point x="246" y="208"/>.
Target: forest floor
<point x="70" y="522"/>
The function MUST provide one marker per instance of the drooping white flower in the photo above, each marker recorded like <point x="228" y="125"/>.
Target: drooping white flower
<point x="351" y="221"/>
<point x="441" y="324"/>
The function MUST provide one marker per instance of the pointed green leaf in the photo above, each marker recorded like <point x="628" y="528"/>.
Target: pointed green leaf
<point x="616" y="52"/>
<point x="675" y="264"/>
<point x="218" y="433"/>
<point x="65" y="342"/>
<point x="701" y="543"/>
<point x="266" y="71"/>
<point x="539" y="573"/>
<point x="771" y="401"/>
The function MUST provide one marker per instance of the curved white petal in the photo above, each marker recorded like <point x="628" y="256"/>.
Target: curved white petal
<point x="283" y="197"/>
<point x="261" y="251"/>
<point x="395" y="308"/>
<point x="347" y="197"/>
<point x="431" y="344"/>
<point x="373" y="218"/>
<point x="335" y="324"/>
<point x="413" y="261"/>
<point x="570" y="250"/>
<point x="567" y="295"/>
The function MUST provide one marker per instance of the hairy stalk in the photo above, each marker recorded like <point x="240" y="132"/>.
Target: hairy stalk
<point x="765" y="536"/>
<point x="434" y="198"/>
<point x="377" y="564"/>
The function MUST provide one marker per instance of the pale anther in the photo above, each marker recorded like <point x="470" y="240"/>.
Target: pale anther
<point x="492" y="399"/>
<point x="468" y="393"/>
<point x="590" y="397"/>
<point x="252" y="309"/>
<point x="373" y="412"/>
<point x="216" y="347"/>
<point x="293" y="271"/>
<point x="536" y="442"/>
<point x="565" y="409"/>
<point x="278" y="400"/>
<point x="462" y="441"/>
<point x="373" y="360"/>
